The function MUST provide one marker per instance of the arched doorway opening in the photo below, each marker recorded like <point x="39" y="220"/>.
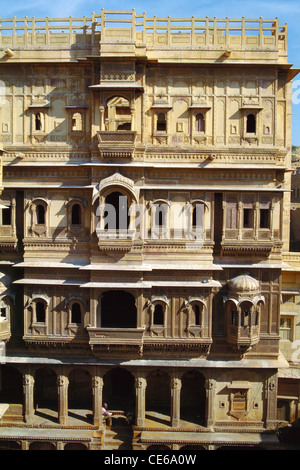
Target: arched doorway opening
<point x="193" y="397"/>
<point x="11" y="391"/>
<point x="192" y="447"/>
<point x="158" y="447"/>
<point x="158" y="397"/>
<point x="80" y="395"/>
<point x="119" y="390"/>
<point x="9" y="445"/>
<point x="42" y="446"/>
<point x="116" y="211"/>
<point x="45" y="390"/>
<point x="75" y="446"/>
<point x="118" y="310"/>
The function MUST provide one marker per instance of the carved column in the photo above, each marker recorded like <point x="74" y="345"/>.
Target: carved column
<point x="132" y="113"/>
<point x="13" y="217"/>
<point x="102" y="124"/>
<point x="210" y="387"/>
<point x="28" y="387"/>
<point x="240" y="219"/>
<point x="175" y="401"/>
<point x="272" y="220"/>
<point x="224" y="207"/>
<point x="140" y="400"/>
<point x="97" y="384"/>
<point x="271" y="399"/>
<point x="256" y="219"/>
<point x="62" y="383"/>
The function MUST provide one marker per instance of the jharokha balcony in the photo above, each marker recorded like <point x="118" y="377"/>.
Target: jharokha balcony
<point x="116" y="144"/>
<point x="127" y="340"/>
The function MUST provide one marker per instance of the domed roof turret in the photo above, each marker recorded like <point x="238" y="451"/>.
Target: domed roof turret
<point x="243" y="283"/>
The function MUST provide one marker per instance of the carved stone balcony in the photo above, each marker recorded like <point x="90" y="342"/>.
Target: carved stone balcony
<point x="4" y="331"/>
<point x="115" y="240"/>
<point x="129" y="341"/>
<point x="247" y="247"/>
<point x="116" y="144"/>
<point x="242" y="338"/>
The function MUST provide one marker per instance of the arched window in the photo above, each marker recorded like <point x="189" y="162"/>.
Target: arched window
<point x="197" y="314"/>
<point x="198" y="215"/>
<point x="77" y="122"/>
<point x="76" y="215"/>
<point x="40" y="214"/>
<point x="200" y="123"/>
<point x="246" y="310"/>
<point x="118" y="310"/>
<point x="161" y="124"/>
<point x="160" y="215"/>
<point x="38" y="121"/>
<point x="251" y="124"/>
<point x="116" y="211"/>
<point x="158" y="315"/>
<point x="76" y="313"/>
<point x="40" y="312"/>
<point x="117" y="114"/>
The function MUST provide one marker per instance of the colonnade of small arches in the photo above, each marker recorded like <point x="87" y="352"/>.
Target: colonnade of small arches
<point x="177" y="395"/>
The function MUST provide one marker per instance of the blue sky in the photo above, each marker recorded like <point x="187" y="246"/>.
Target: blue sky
<point x="287" y="11"/>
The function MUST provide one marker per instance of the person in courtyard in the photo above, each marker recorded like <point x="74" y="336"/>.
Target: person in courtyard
<point x="106" y="414"/>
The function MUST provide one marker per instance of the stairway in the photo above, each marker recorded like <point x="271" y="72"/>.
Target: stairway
<point x="119" y="435"/>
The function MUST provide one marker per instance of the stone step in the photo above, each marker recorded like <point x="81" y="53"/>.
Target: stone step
<point x="118" y="437"/>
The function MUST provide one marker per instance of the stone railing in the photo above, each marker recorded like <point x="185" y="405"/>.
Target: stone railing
<point x="129" y="27"/>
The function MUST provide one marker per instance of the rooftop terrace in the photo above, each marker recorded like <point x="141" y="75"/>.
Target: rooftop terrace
<point x="129" y="28"/>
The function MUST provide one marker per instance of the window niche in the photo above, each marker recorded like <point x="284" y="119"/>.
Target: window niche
<point x="197" y="227"/>
<point x="39" y="217"/>
<point x="239" y="399"/>
<point x="248" y="214"/>
<point x="75" y="216"/>
<point x="251" y="121"/>
<point x="265" y="214"/>
<point x="75" y="313"/>
<point x="251" y="124"/>
<point x="39" y="305"/>
<point x="161" y="122"/>
<point x="196" y="312"/>
<point x="160" y="213"/>
<point x="231" y="218"/>
<point x="200" y="123"/>
<point x="76" y="121"/>
<point x="158" y="307"/>
<point x="38" y="125"/>
<point x="6" y="304"/>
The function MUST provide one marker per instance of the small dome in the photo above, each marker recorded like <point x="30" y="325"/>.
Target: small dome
<point x="243" y="283"/>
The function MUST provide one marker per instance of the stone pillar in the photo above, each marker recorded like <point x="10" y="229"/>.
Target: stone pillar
<point x="28" y="387"/>
<point x="132" y="113"/>
<point x="175" y="401"/>
<point x="140" y="400"/>
<point x="24" y="445"/>
<point x="102" y="123"/>
<point x="97" y="383"/>
<point x="210" y="387"/>
<point x="271" y="398"/>
<point x="62" y="383"/>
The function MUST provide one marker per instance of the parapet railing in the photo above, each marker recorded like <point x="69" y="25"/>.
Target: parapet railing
<point x="112" y="26"/>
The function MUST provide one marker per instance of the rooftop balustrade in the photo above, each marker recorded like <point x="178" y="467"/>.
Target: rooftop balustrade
<point x="129" y="27"/>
